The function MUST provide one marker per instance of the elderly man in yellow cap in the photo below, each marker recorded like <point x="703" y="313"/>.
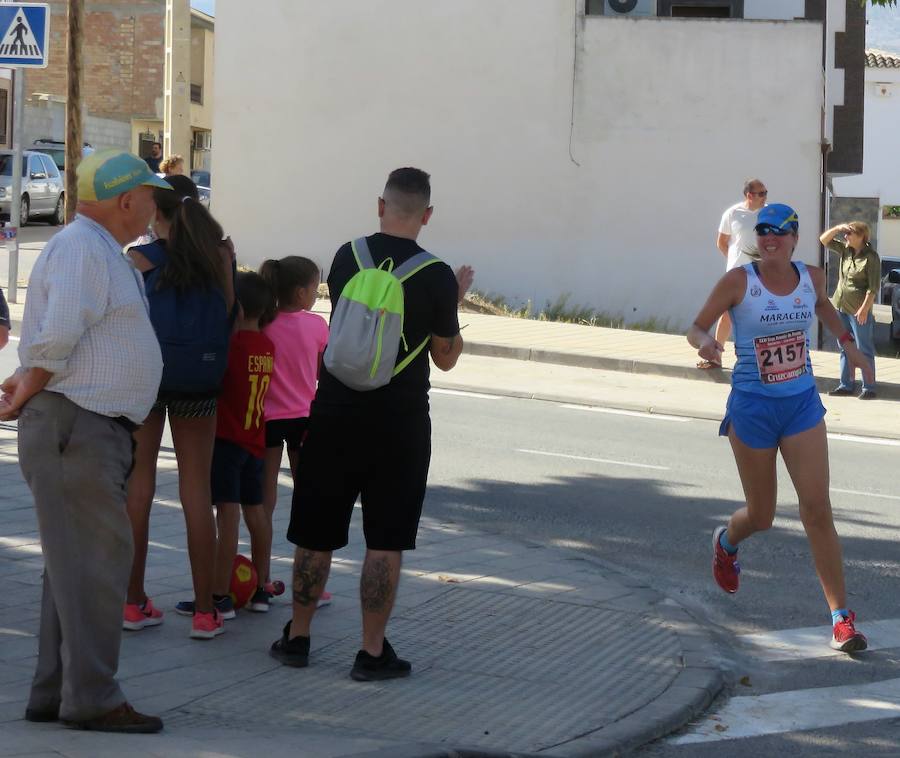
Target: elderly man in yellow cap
<point x="90" y="370"/>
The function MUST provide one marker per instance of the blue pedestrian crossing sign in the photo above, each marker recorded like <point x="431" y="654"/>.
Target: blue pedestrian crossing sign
<point x="26" y="34"/>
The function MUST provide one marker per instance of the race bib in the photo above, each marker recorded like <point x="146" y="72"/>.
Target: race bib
<point x="781" y="357"/>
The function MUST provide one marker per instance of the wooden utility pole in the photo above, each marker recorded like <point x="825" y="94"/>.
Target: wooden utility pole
<point x="73" y="104"/>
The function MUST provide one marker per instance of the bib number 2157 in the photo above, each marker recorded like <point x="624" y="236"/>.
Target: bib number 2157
<point x="781" y="357"/>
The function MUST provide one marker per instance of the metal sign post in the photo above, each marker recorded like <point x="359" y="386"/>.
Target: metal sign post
<point x="24" y="43"/>
<point x="11" y="231"/>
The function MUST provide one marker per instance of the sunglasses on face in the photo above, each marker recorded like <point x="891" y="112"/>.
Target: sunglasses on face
<point x="764" y="193"/>
<point x="765" y="229"/>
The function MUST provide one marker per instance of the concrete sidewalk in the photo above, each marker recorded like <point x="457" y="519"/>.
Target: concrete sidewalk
<point x="516" y="648"/>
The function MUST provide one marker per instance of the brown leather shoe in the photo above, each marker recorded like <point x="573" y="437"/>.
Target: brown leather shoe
<point x="121" y="719"/>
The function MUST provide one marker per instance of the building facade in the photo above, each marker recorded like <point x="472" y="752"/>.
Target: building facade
<point x="874" y="195"/>
<point x="576" y="151"/>
<point x="124" y="78"/>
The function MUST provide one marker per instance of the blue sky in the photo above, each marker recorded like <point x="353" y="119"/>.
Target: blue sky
<point x="207" y="6"/>
<point x="883" y="30"/>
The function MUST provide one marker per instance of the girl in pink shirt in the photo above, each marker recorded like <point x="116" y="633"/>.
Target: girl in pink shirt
<point x="300" y="338"/>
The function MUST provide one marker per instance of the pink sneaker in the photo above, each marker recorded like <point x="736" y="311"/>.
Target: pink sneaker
<point x="274" y="588"/>
<point x="205" y="626"/>
<point x="324" y="599"/>
<point x="136" y="617"/>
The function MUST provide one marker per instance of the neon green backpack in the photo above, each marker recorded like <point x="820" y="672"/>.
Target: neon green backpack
<point x="367" y="321"/>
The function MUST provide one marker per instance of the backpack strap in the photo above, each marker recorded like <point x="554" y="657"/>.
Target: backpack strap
<point x="414" y="265"/>
<point x="411" y="356"/>
<point x="403" y="272"/>
<point x="362" y="254"/>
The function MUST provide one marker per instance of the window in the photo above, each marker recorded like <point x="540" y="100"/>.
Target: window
<point x="50" y="167"/>
<point x="37" y="167"/>
<point x="6" y="164"/>
<point x="702" y="8"/>
<point x="197" y="93"/>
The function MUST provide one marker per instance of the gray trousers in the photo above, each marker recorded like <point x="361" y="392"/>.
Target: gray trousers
<point x="76" y="464"/>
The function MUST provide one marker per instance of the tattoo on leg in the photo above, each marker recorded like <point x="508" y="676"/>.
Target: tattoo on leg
<point x="310" y="573"/>
<point x="376" y="588"/>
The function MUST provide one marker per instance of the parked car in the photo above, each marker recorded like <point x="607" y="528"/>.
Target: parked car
<point x="43" y="193"/>
<point x="203" y="180"/>
<point x="893" y="278"/>
<point x="57" y="150"/>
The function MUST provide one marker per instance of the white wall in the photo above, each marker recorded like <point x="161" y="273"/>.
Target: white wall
<point x="669" y="120"/>
<point x="881" y="158"/>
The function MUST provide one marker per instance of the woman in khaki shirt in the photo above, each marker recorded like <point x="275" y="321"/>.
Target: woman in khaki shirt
<point x="855" y="295"/>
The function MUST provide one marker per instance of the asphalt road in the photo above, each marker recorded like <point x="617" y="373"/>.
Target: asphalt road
<point x="644" y="494"/>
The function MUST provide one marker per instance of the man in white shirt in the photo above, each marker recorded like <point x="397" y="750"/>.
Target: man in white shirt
<point x="737" y="242"/>
<point x="91" y="367"/>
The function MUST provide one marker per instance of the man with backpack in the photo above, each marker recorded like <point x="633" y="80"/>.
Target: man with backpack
<point x="369" y="430"/>
<point x="91" y="366"/>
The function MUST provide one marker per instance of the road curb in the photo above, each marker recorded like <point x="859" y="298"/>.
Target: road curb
<point x="688" y="696"/>
<point x="886" y="390"/>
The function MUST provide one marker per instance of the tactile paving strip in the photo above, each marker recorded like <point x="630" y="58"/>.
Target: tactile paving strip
<point x="487" y="670"/>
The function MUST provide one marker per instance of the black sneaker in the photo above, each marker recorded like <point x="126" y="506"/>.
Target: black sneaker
<point x="368" y="668"/>
<point x="42" y="715"/>
<point x="224" y="605"/>
<point x="868" y="395"/>
<point x="840" y="391"/>
<point x="259" y="603"/>
<point x="291" y="651"/>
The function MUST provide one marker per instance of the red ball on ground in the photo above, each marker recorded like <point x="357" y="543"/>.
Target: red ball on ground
<point x="244" y="581"/>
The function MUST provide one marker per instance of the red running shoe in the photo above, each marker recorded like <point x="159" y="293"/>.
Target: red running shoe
<point x="726" y="569"/>
<point x="845" y="637"/>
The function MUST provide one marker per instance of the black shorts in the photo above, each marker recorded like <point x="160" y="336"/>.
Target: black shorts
<point x="236" y="476"/>
<point x="385" y="461"/>
<point x="186" y="404"/>
<point x="289" y="430"/>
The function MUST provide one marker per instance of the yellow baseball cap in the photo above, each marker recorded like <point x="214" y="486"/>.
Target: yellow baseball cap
<point x="107" y="173"/>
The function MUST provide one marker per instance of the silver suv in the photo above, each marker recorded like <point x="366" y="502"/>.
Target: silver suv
<point x="42" y="188"/>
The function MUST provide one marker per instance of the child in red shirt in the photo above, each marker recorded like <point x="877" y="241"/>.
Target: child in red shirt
<point x="240" y="446"/>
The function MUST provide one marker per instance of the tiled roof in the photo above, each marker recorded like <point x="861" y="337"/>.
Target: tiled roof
<point x="882" y="59"/>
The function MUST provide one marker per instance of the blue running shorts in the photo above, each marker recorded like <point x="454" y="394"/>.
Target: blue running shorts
<point x="761" y="421"/>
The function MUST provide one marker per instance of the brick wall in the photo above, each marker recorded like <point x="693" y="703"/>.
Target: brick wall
<point x="124" y="53"/>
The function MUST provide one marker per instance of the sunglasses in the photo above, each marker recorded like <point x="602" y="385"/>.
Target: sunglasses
<point x="763" y="229"/>
<point x="764" y="193"/>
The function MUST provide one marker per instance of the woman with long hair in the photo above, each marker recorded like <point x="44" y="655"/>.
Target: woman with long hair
<point x="189" y="276"/>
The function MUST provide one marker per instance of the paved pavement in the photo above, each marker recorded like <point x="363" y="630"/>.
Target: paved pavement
<point x="516" y="648"/>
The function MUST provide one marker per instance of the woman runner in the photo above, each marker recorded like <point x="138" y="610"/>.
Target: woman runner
<point x="774" y="404"/>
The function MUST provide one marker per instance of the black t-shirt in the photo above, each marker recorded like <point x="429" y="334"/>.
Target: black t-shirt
<point x="430" y="300"/>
